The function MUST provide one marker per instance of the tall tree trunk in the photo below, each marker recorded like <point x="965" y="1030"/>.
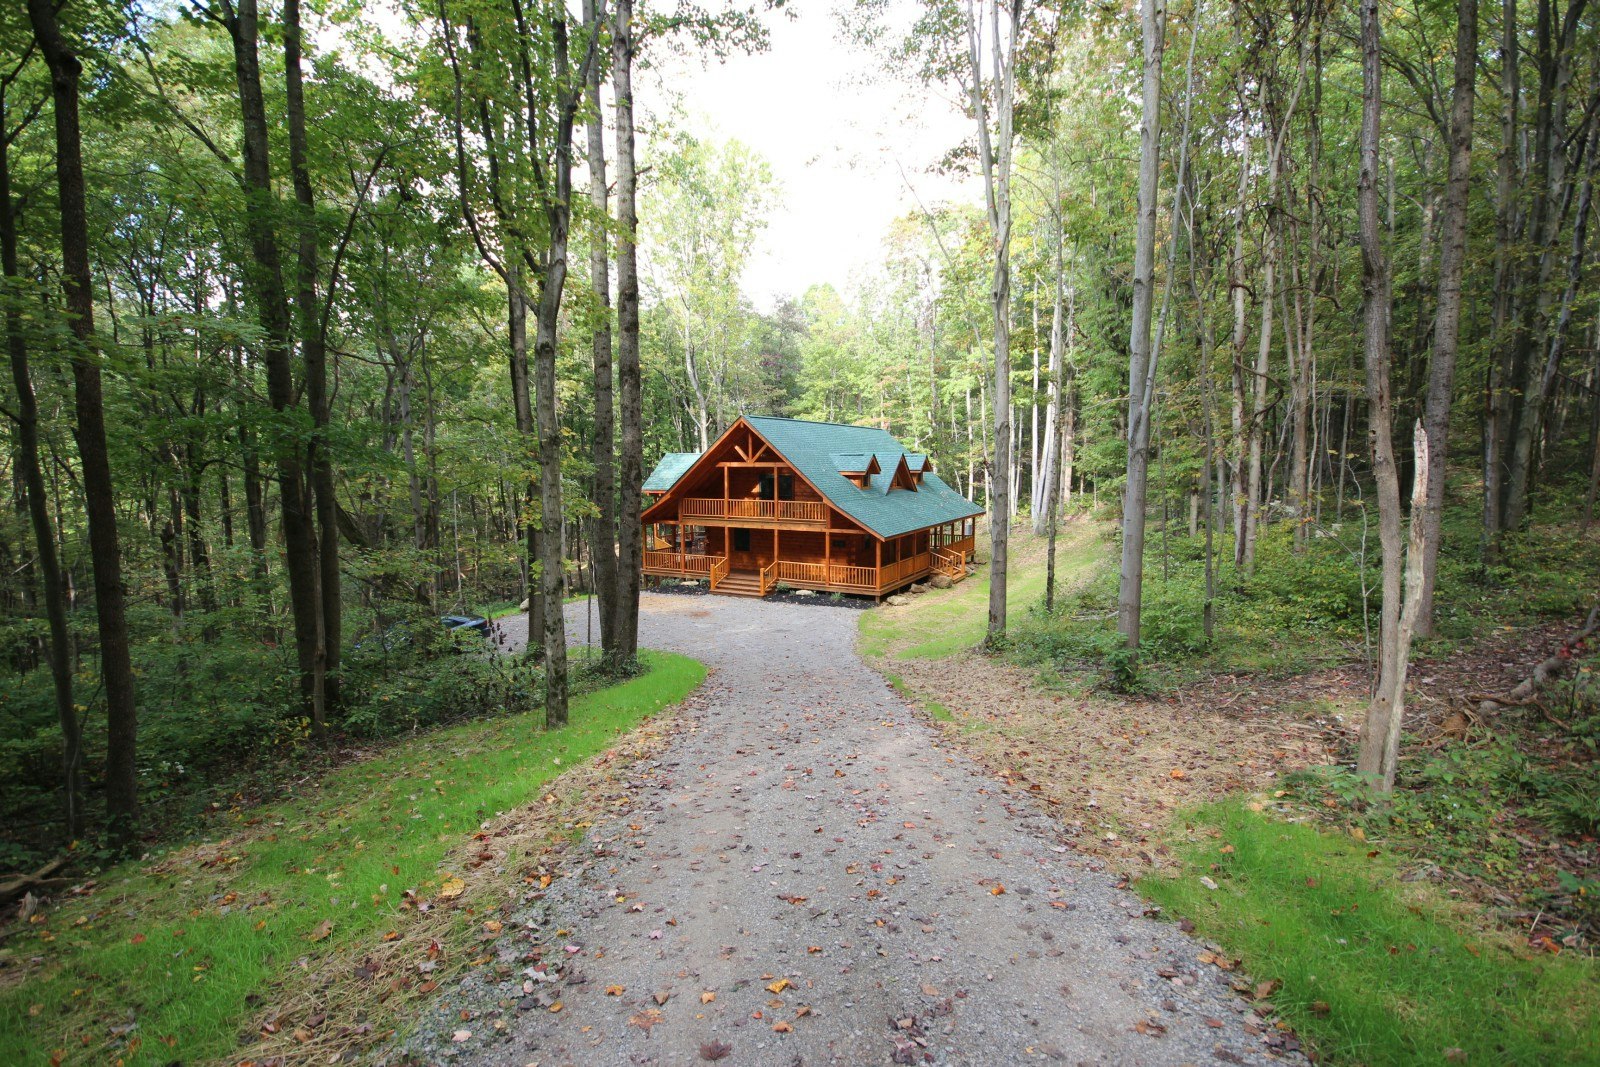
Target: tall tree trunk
<point x="116" y="668"/>
<point x="1447" y="321"/>
<point x="1497" y="405"/>
<point x="995" y="152"/>
<point x="603" y="527"/>
<point x="32" y="476"/>
<point x="266" y="278"/>
<point x="1141" y="359"/>
<point x="1380" y="732"/>
<point x="630" y="536"/>
<point x="314" y="352"/>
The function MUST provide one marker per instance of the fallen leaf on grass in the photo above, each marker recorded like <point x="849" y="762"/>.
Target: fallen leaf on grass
<point x="324" y="928"/>
<point x="452" y="888"/>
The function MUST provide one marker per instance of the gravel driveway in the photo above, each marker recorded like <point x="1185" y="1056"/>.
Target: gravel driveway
<point x="813" y="878"/>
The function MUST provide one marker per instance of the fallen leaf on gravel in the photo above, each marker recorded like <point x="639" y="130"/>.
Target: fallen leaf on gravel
<point x="782" y="1028"/>
<point x="792" y="899"/>
<point x="461" y="1035"/>
<point x="663" y="996"/>
<point x="707" y="997"/>
<point x="779" y="986"/>
<point x="802" y="1011"/>
<point x="997" y="890"/>
<point x="929" y="990"/>
<point x="614" y="990"/>
<point x="644" y="1020"/>
<point x="715" y="1050"/>
<point x="1150" y="1027"/>
<point x="555" y="1007"/>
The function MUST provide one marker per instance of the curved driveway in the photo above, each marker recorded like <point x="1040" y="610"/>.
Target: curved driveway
<point x="814" y="877"/>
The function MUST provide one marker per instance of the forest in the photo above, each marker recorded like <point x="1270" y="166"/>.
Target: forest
<point x="324" y="322"/>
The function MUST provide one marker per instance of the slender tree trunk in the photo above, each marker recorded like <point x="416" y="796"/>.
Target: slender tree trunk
<point x="1142" y="359"/>
<point x="314" y="353"/>
<point x="266" y="278"/>
<point x="1447" y="321"/>
<point x="116" y="669"/>
<point x="603" y="527"/>
<point x="630" y="536"/>
<point x="31" y="473"/>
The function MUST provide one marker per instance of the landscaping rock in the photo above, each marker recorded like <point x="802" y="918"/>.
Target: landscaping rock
<point x="919" y="588"/>
<point x="898" y="601"/>
<point x="940" y="581"/>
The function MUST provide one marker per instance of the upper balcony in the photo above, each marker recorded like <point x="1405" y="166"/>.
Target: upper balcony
<point x="774" y="512"/>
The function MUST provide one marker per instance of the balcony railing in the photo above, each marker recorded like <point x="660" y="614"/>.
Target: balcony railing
<point x="799" y="511"/>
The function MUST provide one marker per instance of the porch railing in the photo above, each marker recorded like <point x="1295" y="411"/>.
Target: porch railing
<point x="901" y="571"/>
<point x="832" y="575"/>
<point x="762" y="510"/>
<point x="769" y="577"/>
<point x="719" y="570"/>
<point x="687" y="564"/>
<point x="950" y="563"/>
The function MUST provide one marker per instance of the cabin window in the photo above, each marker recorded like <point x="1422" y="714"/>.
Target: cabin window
<point x="764" y="489"/>
<point x="785" y="487"/>
<point x="741" y="540"/>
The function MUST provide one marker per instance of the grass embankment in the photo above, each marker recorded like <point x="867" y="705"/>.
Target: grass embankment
<point x="947" y="621"/>
<point x="180" y="959"/>
<point x="1370" y="968"/>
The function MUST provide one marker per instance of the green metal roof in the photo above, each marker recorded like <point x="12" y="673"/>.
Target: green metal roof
<point x="812" y="447"/>
<point x="673" y="466"/>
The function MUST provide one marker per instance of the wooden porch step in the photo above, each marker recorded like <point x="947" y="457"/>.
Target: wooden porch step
<point x="740" y="583"/>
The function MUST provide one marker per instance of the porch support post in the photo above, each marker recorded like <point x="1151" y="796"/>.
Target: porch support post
<point x="877" y="577"/>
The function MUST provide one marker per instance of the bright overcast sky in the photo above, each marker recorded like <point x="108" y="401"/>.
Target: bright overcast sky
<point x="837" y="144"/>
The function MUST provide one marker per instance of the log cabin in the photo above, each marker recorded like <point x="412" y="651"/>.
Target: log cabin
<point x="808" y="505"/>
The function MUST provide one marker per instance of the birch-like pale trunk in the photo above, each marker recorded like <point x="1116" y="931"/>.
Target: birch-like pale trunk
<point x="1143" y="354"/>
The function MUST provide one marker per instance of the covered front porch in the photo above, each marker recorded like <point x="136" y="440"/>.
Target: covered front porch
<point x="753" y="561"/>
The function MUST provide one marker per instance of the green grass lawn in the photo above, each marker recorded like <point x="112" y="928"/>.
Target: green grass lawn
<point x="179" y="946"/>
<point x="1374" y="970"/>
